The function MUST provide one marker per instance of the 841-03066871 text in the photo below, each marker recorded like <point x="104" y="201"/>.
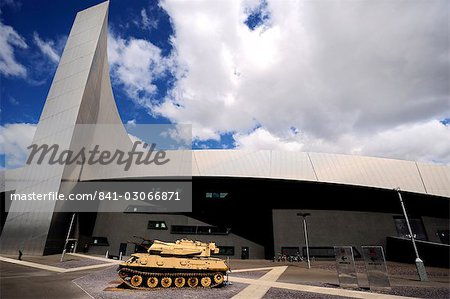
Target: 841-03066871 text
<point x="152" y="195"/>
<point x="100" y="195"/>
<point x="112" y="196"/>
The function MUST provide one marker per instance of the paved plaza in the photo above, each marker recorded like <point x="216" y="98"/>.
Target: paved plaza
<point x="84" y="276"/>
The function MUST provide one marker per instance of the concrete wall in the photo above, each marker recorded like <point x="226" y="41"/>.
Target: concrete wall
<point x="325" y="228"/>
<point x="120" y="227"/>
<point x="330" y="228"/>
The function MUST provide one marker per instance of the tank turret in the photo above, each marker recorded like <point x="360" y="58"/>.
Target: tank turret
<point x="183" y="263"/>
<point x="183" y="247"/>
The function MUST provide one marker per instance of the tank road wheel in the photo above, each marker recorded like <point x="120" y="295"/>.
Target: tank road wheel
<point x="166" y="282"/>
<point x="205" y="281"/>
<point x="218" y="278"/>
<point x="123" y="274"/>
<point x="193" y="282"/>
<point x="136" y="280"/>
<point x="152" y="282"/>
<point x="179" y="282"/>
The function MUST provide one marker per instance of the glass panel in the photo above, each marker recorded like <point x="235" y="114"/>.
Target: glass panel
<point x="416" y="227"/>
<point x="156" y="225"/>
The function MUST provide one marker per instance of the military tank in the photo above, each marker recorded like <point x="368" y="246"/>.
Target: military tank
<point x="185" y="263"/>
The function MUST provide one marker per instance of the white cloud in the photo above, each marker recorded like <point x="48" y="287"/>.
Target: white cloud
<point x="145" y="19"/>
<point x="46" y="47"/>
<point x="263" y="139"/>
<point x="148" y="23"/>
<point x="14" y="139"/>
<point x="131" y="122"/>
<point x="135" y="64"/>
<point x="427" y="142"/>
<point x="178" y="136"/>
<point x="339" y="72"/>
<point x="9" y="40"/>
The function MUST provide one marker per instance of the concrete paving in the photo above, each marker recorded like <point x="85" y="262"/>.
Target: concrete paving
<point x="258" y="291"/>
<point x="266" y="285"/>
<point x="55" y="269"/>
<point x="17" y="281"/>
<point x="81" y="276"/>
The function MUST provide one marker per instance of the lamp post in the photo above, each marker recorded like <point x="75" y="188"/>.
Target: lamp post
<point x="419" y="263"/>
<point x="304" y="215"/>
<point x="68" y="236"/>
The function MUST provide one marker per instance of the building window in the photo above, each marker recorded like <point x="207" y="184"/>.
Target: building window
<point x="216" y="195"/>
<point x="199" y="230"/>
<point x="325" y="252"/>
<point x="156" y="225"/>
<point x="290" y="251"/>
<point x="416" y="227"/>
<point x="183" y="229"/>
<point x="212" y="230"/>
<point x="100" y="241"/>
<point x="226" y="250"/>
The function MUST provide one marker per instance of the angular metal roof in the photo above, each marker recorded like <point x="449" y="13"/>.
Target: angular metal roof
<point x="321" y="167"/>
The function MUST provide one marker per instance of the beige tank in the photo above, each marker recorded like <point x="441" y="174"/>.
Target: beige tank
<point x="183" y="263"/>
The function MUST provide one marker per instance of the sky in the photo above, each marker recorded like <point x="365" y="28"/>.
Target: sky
<point x="351" y="77"/>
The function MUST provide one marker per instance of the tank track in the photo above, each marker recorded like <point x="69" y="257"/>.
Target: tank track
<point x="126" y="275"/>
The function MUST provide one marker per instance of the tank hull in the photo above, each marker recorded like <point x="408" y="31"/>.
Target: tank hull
<point x="144" y="271"/>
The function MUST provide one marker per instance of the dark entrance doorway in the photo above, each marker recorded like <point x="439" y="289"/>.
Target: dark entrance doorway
<point x="71" y="245"/>
<point x="123" y="249"/>
<point x="245" y="253"/>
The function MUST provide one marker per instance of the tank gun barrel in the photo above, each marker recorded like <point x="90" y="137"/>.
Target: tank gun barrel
<point x="144" y="243"/>
<point x="145" y="246"/>
<point x="142" y="238"/>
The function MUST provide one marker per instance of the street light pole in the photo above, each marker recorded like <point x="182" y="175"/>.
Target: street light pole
<point x="304" y="215"/>
<point x="68" y="236"/>
<point x="419" y="263"/>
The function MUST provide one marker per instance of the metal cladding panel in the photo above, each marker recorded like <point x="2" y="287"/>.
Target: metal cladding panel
<point x="181" y="166"/>
<point x="28" y="223"/>
<point x="352" y="170"/>
<point x="291" y="165"/>
<point x="26" y="231"/>
<point x="195" y="169"/>
<point x="367" y="171"/>
<point x="210" y="159"/>
<point x="233" y="163"/>
<point x="436" y="178"/>
<point x="332" y="168"/>
<point x="98" y="107"/>
<point x="13" y="176"/>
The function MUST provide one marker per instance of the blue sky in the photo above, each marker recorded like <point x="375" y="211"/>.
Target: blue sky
<point x="352" y="77"/>
<point x="23" y="98"/>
